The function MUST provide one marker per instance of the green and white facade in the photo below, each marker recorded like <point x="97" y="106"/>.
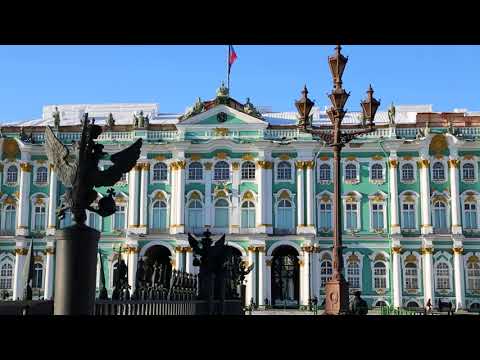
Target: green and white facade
<point x="410" y="193"/>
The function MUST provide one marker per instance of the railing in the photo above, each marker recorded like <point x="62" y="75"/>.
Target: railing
<point x="162" y="135"/>
<point x="410" y="133"/>
<point x="271" y="134"/>
<point x="116" y="136"/>
<point x="390" y="310"/>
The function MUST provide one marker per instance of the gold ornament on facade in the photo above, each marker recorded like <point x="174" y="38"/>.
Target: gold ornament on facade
<point x="426" y="250"/>
<point x="173" y="166"/>
<point x="159" y="196"/>
<point x="21" y="251"/>
<point x="411" y="259"/>
<point x="458" y="250"/>
<point x="439" y="144"/>
<point x="235" y="166"/>
<point x="409" y="197"/>
<point x="264" y="164"/>
<point x="301" y="262"/>
<point x="324" y="158"/>
<point x="393" y="163"/>
<point x="454" y="163"/>
<point x="50" y="251"/>
<point x="10" y="200"/>
<point x="284" y="157"/>
<point x="380" y="257"/>
<point x="353" y="258"/>
<point x="221" y="131"/>
<point x="181" y="164"/>
<point x="377" y="157"/>
<point x="284" y="195"/>
<point x="439" y="157"/>
<point x="208" y="166"/>
<point x="10" y="149"/>
<point x="397" y="249"/>
<point x="351" y="197"/>
<point x="441" y="198"/>
<point x="470" y="197"/>
<point x="51" y="167"/>
<point x="468" y="157"/>
<point x="221" y="155"/>
<point x="159" y="157"/>
<point x="351" y="158"/>
<point x="39" y="200"/>
<point x="178" y="248"/>
<point x="146" y="166"/>
<point x="299" y="165"/>
<point x="248" y="196"/>
<point x="325" y="198"/>
<point x="195" y="157"/>
<point x="38" y="258"/>
<point x="247" y="157"/>
<point x="408" y="157"/>
<point x="251" y="248"/>
<point x="378" y="198"/>
<point x="309" y="164"/>
<point x="120" y="198"/>
<point x="326" y="257"/>
<point x="424" y="163"/>
<point x="138" y="167"/>
<point x="26" y="167"/>
<point x="195" y="196"/>
<point x="473" y="259"/>
<point x="220" y="194"/>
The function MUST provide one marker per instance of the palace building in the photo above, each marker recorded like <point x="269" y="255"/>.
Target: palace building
<point x="410" y="190"/>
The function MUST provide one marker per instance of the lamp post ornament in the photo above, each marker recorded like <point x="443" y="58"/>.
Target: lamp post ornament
<point x="336" y="289"/>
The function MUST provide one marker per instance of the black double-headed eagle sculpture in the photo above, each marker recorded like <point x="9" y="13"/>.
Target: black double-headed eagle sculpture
<point x="80" y="174"/>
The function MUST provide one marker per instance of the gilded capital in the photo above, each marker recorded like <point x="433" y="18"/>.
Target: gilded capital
<point x="138" y="167"/>
<point x="181" y="164"/>
<point x="146" y="166"/>
<point x="50" y="251"/>
<point x="458" y="251"/>
<point x="397" y="249"/>
<point x="268" y="262"/>
<point x="454" y="163"/>
<point x="21" y="251"/>
<point x="424" y="163"/>
<point x="208" y="166"/>
<point x="26" y="167"/>
<point x="426" y="250"/>
<point x="309" y="164"/>
<point x="393" y="163"/>
<point x="264" y="164"/>
<point x="235" y="166"/>
<point x="299" y="165"/>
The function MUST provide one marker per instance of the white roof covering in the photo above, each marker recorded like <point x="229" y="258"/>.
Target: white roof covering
<point x="123" y="115"/>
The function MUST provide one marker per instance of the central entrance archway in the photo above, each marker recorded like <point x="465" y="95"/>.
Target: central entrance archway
<point x="161" y="255"/>
<point x="285" y="277"/>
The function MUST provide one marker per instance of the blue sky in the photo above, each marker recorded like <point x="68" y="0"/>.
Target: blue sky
<point x="174" y="76"/>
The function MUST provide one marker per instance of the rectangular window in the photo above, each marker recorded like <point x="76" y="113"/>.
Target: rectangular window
<point x="408" y="216"/>
<point x="120" y="218"/>
<point x="470" y="216"/>
<point x="377" y="216"/>
<point x="325" y="216"/>
<point x="39" y="221"/>
<point x="351" y="214"/>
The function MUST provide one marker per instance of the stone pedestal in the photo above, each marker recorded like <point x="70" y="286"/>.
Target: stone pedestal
<point x="75" y="270"/>
<point x="336" y="297"/>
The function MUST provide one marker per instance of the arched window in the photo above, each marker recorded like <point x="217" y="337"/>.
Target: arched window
<point x="6" y="275"/>
<point x="221" y="214"/>
<point x="442" y="272"/>
<point x="470" y="216"/>
<point x="95" y="221"/>
<point x="440" y="215"/>
<point x="353" y="274"/>
<point x="324" y="172"/>
<point x="473" y="275"/>
<point x="468" y="171"/>
<point x="195" y="215"/>
<point x="10" y="219"/>
<point x="408" y="216"/>
<point x="380" y="303"/>
<point x="475" y="307"/>
<point x="411" y="276"/>
<point x="407" y="172"/>
<point x="42" y="175"/>
<point x="37" y="276"/>
<point x="350" y="172"/>
<point x="284" y="215"/>
<point x="412" y="304"/>
<point x="12" y="174"/>
<point x="325" y="215"/>
<point x="159" y="215"/>
<point x="124" y="177"/>
<point x="351" y="216"/>
<point x="248" y="215"/>
<point x="380" y="275"/>
<point x="195" y="171"/>
<point x="160" y="172"/>
<point x="325" y="272"/>
<point x="221" y="171"/>
<point x="39" y="217"/>
<point x="248" y="171"/>
<point x="284" y="171"/>
<point x="119" y="221"/>
<point x="377" y="172"/>
<point x="438" y="171"/>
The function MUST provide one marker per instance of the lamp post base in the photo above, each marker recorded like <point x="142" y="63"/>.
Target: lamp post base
<point x="336" y="297"/>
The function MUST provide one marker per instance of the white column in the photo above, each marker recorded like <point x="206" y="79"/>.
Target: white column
<point x="458" y="270"/>
<point x="144" y="197"/>
<point x="178" y="258"/>
<point x="261" y="276"/>
<point x="52" y="203"/>
<point x="268" y="199"/>
<point x="315" y="273"/>
<point x="304" y="277"/>
<point x="20" y="254"/>
<point x="132" y="261"/>
<point x="250" y="278"/>
<point x="173" y="198"/>
<point x="393" y="180"/>
<point x="259" y="215"/>
<point x="133" y="210"/>
<point x="454" y="164"/>
<point x="208" y="194"/>
<point x="235" y="225"/>
<point x="268" y="278"/>
<point x="310" y="195"/>
<point x="397" y="277"/>
<point x="49" y="271"/>
<point x="189" y="268"/>
<point x="428" y="276"/>
<point x="424" y="166"/>
<point x="180" y="229"/>
<point x="24" y="199"/>
<point x="300" y="206"/>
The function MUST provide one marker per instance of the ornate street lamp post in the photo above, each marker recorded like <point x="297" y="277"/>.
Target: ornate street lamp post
<point x="336" y="289"/>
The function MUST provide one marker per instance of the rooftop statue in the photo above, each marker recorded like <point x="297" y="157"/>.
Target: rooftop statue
<point x="197" y="108"/>
<point x="82" y="175"/>
<point x="110" y="121"/>
<point x="56" y="118"/>
<point x="222" y="91"/>
<point x="250" y="109"/>
<point x="140" y="122"/>
<point x="391" y="115"/>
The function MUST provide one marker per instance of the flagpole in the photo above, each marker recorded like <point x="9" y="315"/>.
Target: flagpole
<point x="228" y="69"/>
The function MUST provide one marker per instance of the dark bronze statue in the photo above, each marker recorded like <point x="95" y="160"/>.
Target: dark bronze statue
<point x="82" y="175"/>
<point x="358" y="306"/>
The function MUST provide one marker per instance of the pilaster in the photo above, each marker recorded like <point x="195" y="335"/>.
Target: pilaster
<point x="52" y="203"/>
<point x="21" y="251"/>
<point x="144" y="198"/>
<point x="397" y="276"/>
<point x="133" y="207"/>
<point x="300" y="196"/>
<point x="235" y="225"/>
<point x="424" y="166"/>
<point x="394" y="221"/>
<point x="458" y="271"/>
<point x="428" y="289"/>
<point x="208" y="193"/>
<point x="454" y="165"/>
<point x="24" y="201"/>
<point x="132" y="251"/>
<point x="49" y="270"/>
